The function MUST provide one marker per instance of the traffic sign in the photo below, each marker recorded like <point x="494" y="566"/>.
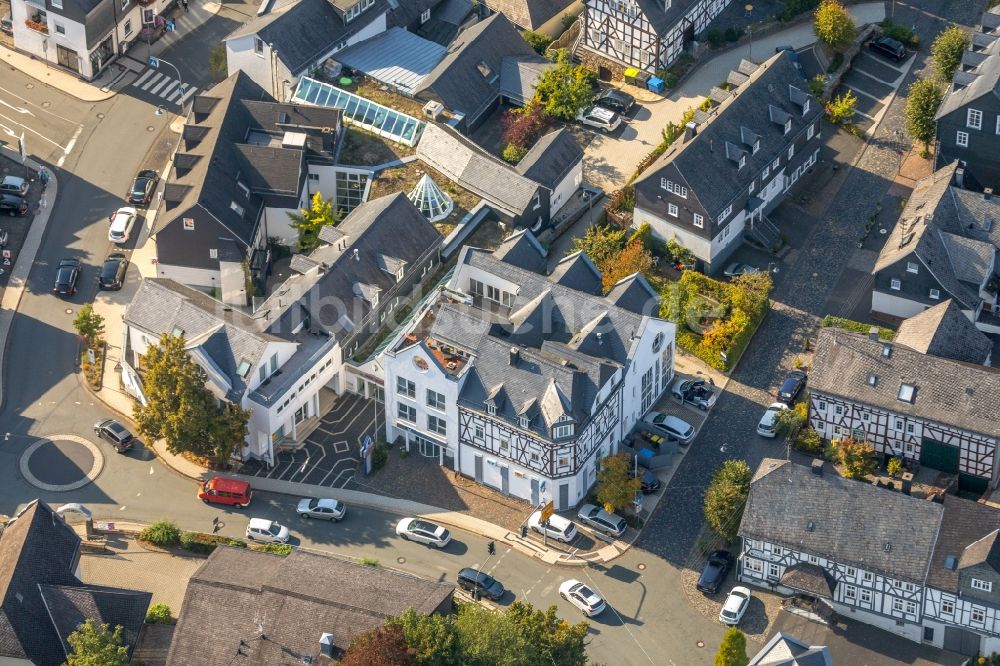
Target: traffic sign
<point x="154" y="62"/>
<point x="547" y="511"/>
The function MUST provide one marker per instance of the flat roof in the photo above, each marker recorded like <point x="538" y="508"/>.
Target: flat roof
<point x="396" y="57"/>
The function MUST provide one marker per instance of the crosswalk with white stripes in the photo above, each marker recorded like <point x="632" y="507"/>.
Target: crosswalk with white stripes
<point x="158" y="84"/>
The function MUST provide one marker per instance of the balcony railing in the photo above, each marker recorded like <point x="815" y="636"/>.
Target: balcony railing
<point x="37" y="26"/>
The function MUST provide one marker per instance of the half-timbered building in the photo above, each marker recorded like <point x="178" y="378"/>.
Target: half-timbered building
<point x="522" y="380"/>
<point x="647" y="34"/>
<point x="937" y="411"/>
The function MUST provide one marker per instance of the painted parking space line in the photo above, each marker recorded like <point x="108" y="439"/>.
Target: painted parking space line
<point x="862" y="92"/>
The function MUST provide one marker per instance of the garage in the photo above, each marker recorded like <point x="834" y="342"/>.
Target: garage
<point x="939" y="456"/>
<point x="961" y="641"/>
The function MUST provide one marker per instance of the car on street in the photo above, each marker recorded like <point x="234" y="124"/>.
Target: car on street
<point x="601" y="520"/>
<point x="600" y="118"/>
<point x="589" y="602"/>
<point x="890" y="48"/>
<point x="142" y="188"/>
<point x="738" y="269"/>
<point x="13" y="205"/>
<point x="558" y="528"/>
<point x="225" y="491"/>
<point x="268" y="531"/>
<point x="670" y="427"/>
<point x="736" y="605"/>
<point x="615" y="100"/>
<point x="766" y="426"/>
<point x="712" y="576"/>
<point x="7" y="24"/>
<point x="14" y="185"/>
<point x="791" y="387"/>
<point x="117" y="434"/>
<point x="480" y="584"/>
<point x="423" y="531"/>
<point x="324" y="509"/>
<point x="698" y="392"/>
<point x="113" y="272"/>
<point x="650" y="484"/>
<point x="121" y="224"/>
<point x="66" y="276"/>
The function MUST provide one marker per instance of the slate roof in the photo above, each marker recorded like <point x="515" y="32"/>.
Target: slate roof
<point x="714" y="178"/>
<point x="982" y="79"/>
<point x="519" y="75"/>
<point x="578" y="272"/>
<point x="42" y="601"/>
<point x="529" y="14"/>
<point x="965" y="535"/>
<point x="809" y="578"/>
<point x="457" y="80"/>
<point x="551" y="158"/>
<point x="296" y="598"/>
<point x="948" y="392"/>
<point x="945" y="331"/>
<point x="396" y="57"/>
<point x="476" y="171"/>
<point x="635" y="294"/>
<point x="523" y="250"/>
<point x="844" y="528"/>
<point x="784" y="650"/>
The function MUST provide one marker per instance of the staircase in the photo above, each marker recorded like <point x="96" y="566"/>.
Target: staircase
<point x="764" y="233"/>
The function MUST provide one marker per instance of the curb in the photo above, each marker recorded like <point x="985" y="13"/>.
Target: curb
<point x="9" y="55"/>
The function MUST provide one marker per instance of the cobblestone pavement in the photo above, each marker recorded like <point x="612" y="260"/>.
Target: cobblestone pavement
<point x="800" y="298"/>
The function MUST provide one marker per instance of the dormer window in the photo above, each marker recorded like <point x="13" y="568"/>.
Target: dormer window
<point x="788" y="126"/>
<point x="244" y="368"/>
<point x="491" y="409"/>
<point x="356" y="10"/>
<point x="236" y="208"/>
<point x="523" y="421"/>
<point x="743" y="161"/>
<point x="485" y="70"/>
<point x="561" y="431"/>
<point x="258" y="46"/>
<point x="756" y="146"/>
<point x="805" y="106"/>
<point x="243" y="188"/>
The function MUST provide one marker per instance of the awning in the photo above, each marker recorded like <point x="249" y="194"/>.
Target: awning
<point x="809" y="578"/>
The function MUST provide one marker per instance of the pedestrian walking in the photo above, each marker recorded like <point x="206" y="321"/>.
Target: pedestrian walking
<point x="184" y="3"/>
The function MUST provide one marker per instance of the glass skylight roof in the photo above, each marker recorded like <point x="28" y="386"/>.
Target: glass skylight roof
<point x="430" y="200"/>
<point x="380" y="119"/>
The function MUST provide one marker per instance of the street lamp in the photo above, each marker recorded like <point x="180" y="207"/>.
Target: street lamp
<point x="749" y="8"/>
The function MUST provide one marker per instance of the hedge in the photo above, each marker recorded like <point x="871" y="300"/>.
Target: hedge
<point x="830" y="321"/>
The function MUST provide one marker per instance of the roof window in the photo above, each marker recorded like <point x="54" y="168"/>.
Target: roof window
<point x="872" y="379"/>
<point x="244" y="368"/>
<point x="485" y="70"/>
<point x="907" y="392"/>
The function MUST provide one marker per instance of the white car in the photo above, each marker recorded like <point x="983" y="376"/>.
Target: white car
<point x="558" y="528"/>
<point x="261" y="529"/>
<point x="736" y="605"/>
<point x="766" y="426"/>
<point x="121" y="225"/>
<point x="422" y="531"/>
<point x="589" y="602"/>
<point x="326" y="509"/>
<point x="601" y="118"/>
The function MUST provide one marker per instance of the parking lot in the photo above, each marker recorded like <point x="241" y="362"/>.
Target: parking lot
<point x="14" y="229"/>
<point x="874" y="80"/>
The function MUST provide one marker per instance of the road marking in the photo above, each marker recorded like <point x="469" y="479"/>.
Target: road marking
<point x="862" y="92"/>
<point x="69" y="146"/>
<point x="151" y="470"/>
<point x="19" y="109"/>
<point x="122" y="507"/>
<point x="39" y="108"/>
<point x="190" y="91"/>
<point x="33" y="131"/>
<point x="141" y="79"/>
<point x="156" y="77"/>
<point x="166" y="91"/>
<point x="155" y="90"/>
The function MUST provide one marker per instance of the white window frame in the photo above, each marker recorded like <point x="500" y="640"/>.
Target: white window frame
<point x="776" y="163"/>
<point x="437" y="425"/>
<point x="425" y="16"/>
<point x="188" y="223"/>
<point x="773" y="570"/>
<point x="962" y="139"/>
<point x="564" y="430"/>
<point x="978" y="615"/>
<point x="791" y="151"/>
<point x="750" y="189"/>
<point x="810" y="132"/>
<point x="699" y="221"/>
<point x="436" y="400"/>
<point x="947" y="606"/>
<point x="672" y="209"/>
<point x="236" y="208"/>
<point x="897" y="605"/>
<point x="127" y="30"/>
<point x="850" y="592"/>
<point x="983" y="585"/>
<point x="895" y="284"/>
<point x="258" y="46"/>
<point x="406" y="388"/>
<point x="934" y="294"/>
<point x="851" y="571"/>
<point x="406" y="412"/>
<point x="788" y="126"/>
<point x="974" y="119"/>
<point x="753" y="565"/>
<point x="767" y="172"/>
<point x="865" y="596"/>
<point x="998" y="124"/>
<point x="912" y="267"/>
<point x="726" y="213"/>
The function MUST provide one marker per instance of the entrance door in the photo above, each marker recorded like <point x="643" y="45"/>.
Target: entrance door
<point x="563" y="495"/>
<point x="961" y="641"/>
<point x="938" y="455"/>
<point x="428" y="449"/>
<point x="535" y="495"/>
<point x="67" y="58"/>
<point x="302" y="413"/>
<point x="479" y="468"/>
<point x="505" y="480"/>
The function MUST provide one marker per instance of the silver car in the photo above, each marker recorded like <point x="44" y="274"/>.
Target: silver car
<point x="422" y="531"/>
<point x="670" y="427"/>
<point x="601" y="520"/>
<point x="325" y="509"/>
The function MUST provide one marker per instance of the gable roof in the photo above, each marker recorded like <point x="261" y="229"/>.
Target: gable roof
<point x="523" y="250"/>
<point x="519" y="75"/>
<point x="948" y="392"/>
<point x="577" y="271"/>
<point x="551" y="158"/>
<point x="296" y="599"/>
<point x="968" y="535"/>
<point x="831" y="516"/>
<point x="976" y="78"/>
<point x="784" y="650"/>
<point x="529" y="14"/>
<point x="945" y="331"/>
<point x="635" y="294"/>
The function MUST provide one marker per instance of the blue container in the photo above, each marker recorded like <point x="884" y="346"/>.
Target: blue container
<point x="646" y="453"/>
<point x="656" y="84"/>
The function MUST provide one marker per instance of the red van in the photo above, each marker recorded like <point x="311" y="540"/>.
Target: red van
<point x="225" y="491"/>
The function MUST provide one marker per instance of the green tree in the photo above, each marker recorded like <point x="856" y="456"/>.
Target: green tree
<point x="159" y="614"/>
<point x="616" y="488"/>
<point x="227" y="430"/>
<point x="217" y="64"/>
<point x="89" y="325"/>
<point x="833" y="25"/>
<point x="947" y="50"/>
<point x="726" y="497"/>
<point x="97" y="645"/>
<point x="537" y="41"/>
<point x="790" y="421"/>
<point x="922" y="101"/>
<point x="520" y="636"/>
<point x="857" y="458"/>
<point x="678" y="253"/>
<point x="841" y="109"/>
<point x="308" y="221"/>
<point x="383" y="646"/>
<point x="431" y="639"/>
<point x="556" y="640"/>
<point x="565" y="89"/>
<point x="601" y="243"/>
<point x="733" y="650"/>
<point x="635" y="258"/>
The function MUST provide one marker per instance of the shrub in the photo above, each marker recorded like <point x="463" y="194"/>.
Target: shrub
<point x="835" y="62"/>
<point x="733" y="34"/>
<point x="830" y="321"/>
<point x="537" y="41"/>
<point x="894" y="467"/>
<point x="841" y="110"/>
<point x="274" y="548"/>
<point x="726" y="497"/>
<point x="856" y="457"/>
<point x="809" y="441"/>
<point x="159" y="614"/>
<point x="513" y="154"/>
<point x="716" y="38"/>
<point x="670" y="80"/>
<point x="203" y="544"/>
<point x="567" y="20"/>
<point x="817" y="84"/>
<point x="379" y="456"/>
<point x="793" y="8"/>
<point x="161" y="533"/>
<point x="369" y="562"/>
<point x="947" y="50"/>
<point x="833" y="24"/>
<point x="900" y="33"/>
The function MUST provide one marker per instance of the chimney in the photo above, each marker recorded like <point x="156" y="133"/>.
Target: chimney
<point x="960" y="176"/>
<point x="873" y="333"/>
<point x="817" y="466"/>
<point x="326" y="645"/>
<point x="357" y="256"/>
<point x="515" y="354"/>
<point x="690" y="131"/>
<point x="988" y="193"/>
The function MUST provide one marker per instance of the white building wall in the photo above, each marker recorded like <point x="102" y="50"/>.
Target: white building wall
<point x="731" y="233"/>
<point x="193" y="277"/>
<point x="565" y="188"/>
<point x="460" y="280"/>
<point x="44" y="46"/>
<point x="895" y="305"/>
<point x="279" y="225"/>
<point x="663" y="230"/>
<point x="643" y="360"/>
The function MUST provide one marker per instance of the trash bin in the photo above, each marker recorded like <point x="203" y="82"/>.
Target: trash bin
<point x="656" y="84"/>
<point x="630" y="74"/>
<point x="642" y="79"/>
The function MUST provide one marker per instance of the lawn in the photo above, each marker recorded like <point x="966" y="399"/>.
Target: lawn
<point x="363" y="148"/>
<point x="404" y="178"/>
<point x="378" y="92"/>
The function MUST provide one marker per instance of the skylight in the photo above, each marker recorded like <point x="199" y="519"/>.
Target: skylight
<point x="244" y="368"/>
<point x="906" y="392"/>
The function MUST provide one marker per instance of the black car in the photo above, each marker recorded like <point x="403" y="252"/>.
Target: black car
<point x="116" y="433"/>
<point x="889" y="47"/>
<point x="113" y="272"/>
<point x="615" y="100"/>
<point x="480" y="584"/>
<point x="650" y="484"/>
<point x="66" y="277"/>
<point x="791" y="386"/>
<point x="13" y="205"/>
<point x="142" y="188"/>
<point x="714" y="573"/>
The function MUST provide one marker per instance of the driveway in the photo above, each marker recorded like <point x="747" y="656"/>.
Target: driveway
<point x="874" y="80"/>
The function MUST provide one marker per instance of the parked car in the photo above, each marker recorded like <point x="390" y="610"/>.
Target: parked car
<point x="558" y="528"/>
<point x="714" y="573"/>
<point x="269" y="531"/>
<point x="14" y="185"/>
<point x="117" y="434"/>
<point x="325" y="509"/>
<point x="13" y="205"/>
<point x="7" y="24"/>
<point x="888" y="47"/>
<point x="142" y="188"/>
<point x="423" y="531"/>
<point x="698" y="392"/>
<point x="121" y="224"/>
<point x="589" y="602"/>
<point x="791" y="387"/>
<point x="66" y="276"/>
<point x="738" y="269"/>
<point x="766" y="426"/>
<point x="650" y="484"/>
<point x="113" y="272"/>
<point x="480" y="584"/>
<point x="615" y="100"/>
<point x="670" y="427"/>
<point x="600" y="118"/>
<point x="601" y="520"/>
<point x="225" y="491"/>
<point x="735" y="606"/>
